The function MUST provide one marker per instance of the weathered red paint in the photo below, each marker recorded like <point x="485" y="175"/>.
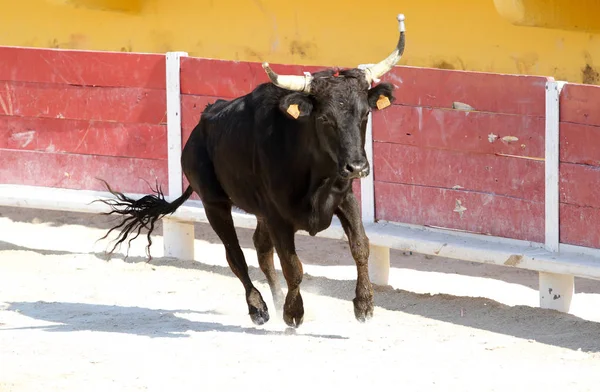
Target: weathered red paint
<point x="423" y="147"/>
<point x="228" y="79"/>
<point x="580" y="225"/>
<point x="579" y="104"/>
<point x="485" y="92"/>
<point x="580" y="143"/>
<point x="127" y="105"/>
<point x="509" y="176"/>
<point x="192" y="107"/>
<point x="580" y="185"/>
<point x="580" y="165"/>
<point x="460" y="130"/>
<point x="356" y="190"/>
<point x="82" y="68"/>
<point x="484" y="213"/>
<point x="75" y="171"/>
<point x="103" y="114"/>
<point x="67" y="117"/>
<point x="83" y="137"/>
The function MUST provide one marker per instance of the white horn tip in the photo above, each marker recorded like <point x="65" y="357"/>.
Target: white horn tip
<point x="401" y="18"/>
<point x="265" y="65"/>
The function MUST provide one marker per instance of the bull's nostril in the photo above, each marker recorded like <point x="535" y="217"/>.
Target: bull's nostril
<point x="356" y="169"/>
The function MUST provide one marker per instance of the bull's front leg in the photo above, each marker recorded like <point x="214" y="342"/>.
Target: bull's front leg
<point x="349" y="214"/>
<point x="282" y="235"/>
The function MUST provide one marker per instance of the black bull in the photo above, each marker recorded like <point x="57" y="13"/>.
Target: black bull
<point x="287" y="152"/>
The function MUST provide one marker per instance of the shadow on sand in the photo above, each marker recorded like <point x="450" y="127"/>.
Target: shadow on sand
<point x="131" y="320"/>
<point x="335" y="252"/>
<point x="541" y="325"/>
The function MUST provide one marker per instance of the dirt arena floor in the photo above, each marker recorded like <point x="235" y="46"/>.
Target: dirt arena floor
<point x="71" y="320"/>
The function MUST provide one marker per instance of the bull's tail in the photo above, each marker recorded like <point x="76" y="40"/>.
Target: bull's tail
<point x="138" y="214"/>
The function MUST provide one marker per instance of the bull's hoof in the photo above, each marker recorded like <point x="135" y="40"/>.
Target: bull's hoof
<point x="293" y="310"/>
<point x="259" y="316"/>
<point x="293" y="321"/>
<point x="363" y="309"/>
<point x="257" y="308"/>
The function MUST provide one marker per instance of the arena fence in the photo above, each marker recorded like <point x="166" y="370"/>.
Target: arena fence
<point x="491" y="168"/>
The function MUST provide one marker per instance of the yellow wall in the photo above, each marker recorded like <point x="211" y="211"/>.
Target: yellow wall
<point x="576" y="15"/>
<point x="462" y="34"/>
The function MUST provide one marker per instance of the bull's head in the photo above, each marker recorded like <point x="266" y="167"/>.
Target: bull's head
<point x="339" y="102"/>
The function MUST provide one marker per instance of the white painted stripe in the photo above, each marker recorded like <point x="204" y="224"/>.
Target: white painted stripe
<point x="552" y="165"/>
<point x="174" y="123"/>
<point x="367" y="186"/>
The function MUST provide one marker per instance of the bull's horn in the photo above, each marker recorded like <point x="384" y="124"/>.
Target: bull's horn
<point x="289" y="82"/>
<point x="376" y="71"/>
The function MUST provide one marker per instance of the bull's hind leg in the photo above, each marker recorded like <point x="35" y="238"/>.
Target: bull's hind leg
<point x="349" y="214"/>
<point x="283" y="237"/>
<point x="220" y="219"/>
<point x="200" y="173"/>
<point x="264" y="252"/>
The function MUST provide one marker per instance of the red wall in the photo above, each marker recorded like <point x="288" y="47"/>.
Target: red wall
<point x="429" y="157"/>
<point x="67" y="117"/>
<point x="580" y="165"/>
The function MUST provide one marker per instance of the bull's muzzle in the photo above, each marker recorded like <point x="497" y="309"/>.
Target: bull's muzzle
<point x="356" y="169"/>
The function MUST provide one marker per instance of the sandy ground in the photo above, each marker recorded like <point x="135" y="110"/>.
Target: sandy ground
<point x="72" y="321"/>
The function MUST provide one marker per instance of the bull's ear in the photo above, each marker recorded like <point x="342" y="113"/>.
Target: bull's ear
<point x="296" y="105"/>
<point x="381" y="96"/>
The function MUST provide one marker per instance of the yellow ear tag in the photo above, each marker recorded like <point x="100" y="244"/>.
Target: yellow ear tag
<point x="383" y="102"/>
<point x="293" y="110"/>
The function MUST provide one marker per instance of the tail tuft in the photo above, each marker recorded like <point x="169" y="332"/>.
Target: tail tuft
<point x="139" y="214"/>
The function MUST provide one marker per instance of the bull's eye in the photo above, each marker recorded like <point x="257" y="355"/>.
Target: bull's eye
<point x="325" y="120"/>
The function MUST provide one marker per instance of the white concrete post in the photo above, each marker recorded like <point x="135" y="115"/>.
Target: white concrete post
<point x="367" y="185"/>
<point x="379" y="260"/>
<point x="178" y="236"/>
<point x="379" y="265"/>
<point x="556" y="290"/>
